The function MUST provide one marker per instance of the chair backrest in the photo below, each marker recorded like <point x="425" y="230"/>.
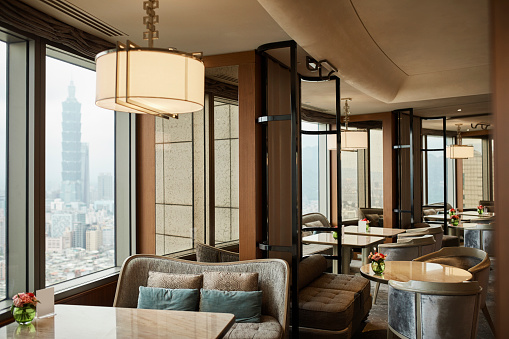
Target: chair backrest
<point x="206" y="253"/>
<point x="481" y="236"/>
<point x="473" y="260"/>
<point x="408" y="249"/>
<point x="436" y="231"/>
<point x="273" y="279"/>
<point x="314" y="220"/>
<point x="418" y="309"/>
<point x="363" y="211"/>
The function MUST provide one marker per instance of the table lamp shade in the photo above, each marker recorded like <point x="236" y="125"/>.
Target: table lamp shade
<point x="154" y="81"/>
<point x="460" y="152"/>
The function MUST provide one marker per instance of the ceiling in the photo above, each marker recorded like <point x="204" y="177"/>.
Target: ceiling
<point x="430" y="55"/>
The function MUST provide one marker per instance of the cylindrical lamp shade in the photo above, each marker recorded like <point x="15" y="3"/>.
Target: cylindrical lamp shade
<point x="149" y="81"/>
<point x="351" y="140"/>
<point x="459" y="152"/>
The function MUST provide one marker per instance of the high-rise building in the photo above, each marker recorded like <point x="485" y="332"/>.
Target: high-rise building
<point x="105" y="186"/>
<point x="85" y="173"/>
<point x="79" y="235"/>
<point x="94" y="239"/>
<point x="59" y="223"/>
<point x="72" y="189"/>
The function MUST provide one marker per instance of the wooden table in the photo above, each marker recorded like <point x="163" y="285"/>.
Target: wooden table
<point x="414" y="270"/>
<point x="95" y="322"/>
<point x="347" y="243"/>
<point x="374" y="231"/>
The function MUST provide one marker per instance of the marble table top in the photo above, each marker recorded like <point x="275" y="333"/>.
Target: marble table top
<point x="374" y="231"/>
<point x="73" y="321"/>
<point x="415" y="270"/>
<point x="347" y="240"/>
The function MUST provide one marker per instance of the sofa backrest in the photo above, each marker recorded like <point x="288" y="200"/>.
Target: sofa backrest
<point x="315" y="220"/>
<point x="273" y="279"/>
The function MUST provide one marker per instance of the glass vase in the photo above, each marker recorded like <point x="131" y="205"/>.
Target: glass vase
<point x="378" y="266"/>
<point x="335" y="235"/>
<point x="480" y="211"/>
<point x="455" y="222"/>
<point x="23" y="315"/>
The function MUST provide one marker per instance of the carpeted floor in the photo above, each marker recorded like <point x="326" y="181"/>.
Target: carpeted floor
<point x="376" y="324"/>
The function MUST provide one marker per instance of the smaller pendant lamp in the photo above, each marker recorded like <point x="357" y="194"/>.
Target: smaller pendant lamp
<point x="459" y="151"/>
<point x="351" y="139"/>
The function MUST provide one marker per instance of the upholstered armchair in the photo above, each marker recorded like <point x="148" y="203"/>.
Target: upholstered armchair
<point x="481" y="236"/>
<point x="474" y="260"/>
<point x="273" y="281"/>
<point x="419" y="309"/>
<point x="315" y="220"/>
<point x="436" y="231"/>
<point x="407" y="249"/>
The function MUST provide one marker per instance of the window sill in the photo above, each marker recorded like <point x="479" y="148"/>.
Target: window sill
<point x="69" y="288"/>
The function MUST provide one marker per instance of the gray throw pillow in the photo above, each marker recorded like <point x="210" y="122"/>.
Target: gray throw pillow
<point x="168" y="299"/>
<point x="246" y="306"/>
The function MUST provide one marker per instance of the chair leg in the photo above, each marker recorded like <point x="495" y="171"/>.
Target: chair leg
<point x="390" y="335"/>
<point x="377" y="286"/>
<point x="488" y="318"/>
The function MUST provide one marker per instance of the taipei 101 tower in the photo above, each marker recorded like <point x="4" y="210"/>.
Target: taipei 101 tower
<point x="73" y="188"/>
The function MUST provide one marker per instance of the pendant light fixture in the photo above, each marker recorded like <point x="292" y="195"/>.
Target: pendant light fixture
<point x="351" y="139"/>
<point x="158" y="81"/>
<point x="459" y="151"/>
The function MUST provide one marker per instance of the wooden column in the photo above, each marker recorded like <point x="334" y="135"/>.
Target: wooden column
<point x="500" y="85"/>
<point x="145" y="184"/>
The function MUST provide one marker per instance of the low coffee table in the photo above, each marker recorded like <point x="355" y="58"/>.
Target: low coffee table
<point x="414" y="270"/>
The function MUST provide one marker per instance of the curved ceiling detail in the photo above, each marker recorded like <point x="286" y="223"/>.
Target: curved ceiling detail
<point x="396" y="51"/>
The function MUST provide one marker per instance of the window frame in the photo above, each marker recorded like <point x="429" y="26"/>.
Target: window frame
<point x="25" y="187"/>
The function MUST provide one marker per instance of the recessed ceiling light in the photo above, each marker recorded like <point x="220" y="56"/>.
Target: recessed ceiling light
<point x="459" y="109"/>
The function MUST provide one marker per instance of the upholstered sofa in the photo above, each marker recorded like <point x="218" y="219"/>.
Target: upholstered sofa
<point x="273" y="281"/>
<point x="330" y="305"/>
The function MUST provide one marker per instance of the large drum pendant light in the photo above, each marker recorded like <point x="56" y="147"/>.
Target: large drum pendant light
<point x="459" y="151"/>
<point x="156" y="81"/>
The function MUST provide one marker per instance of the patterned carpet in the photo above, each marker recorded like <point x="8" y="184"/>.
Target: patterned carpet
<point x="376" y="324"/>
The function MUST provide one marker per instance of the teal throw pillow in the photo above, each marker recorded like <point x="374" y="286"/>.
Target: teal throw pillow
<point x="246" y="306"/>
<point x="168" y="299"/>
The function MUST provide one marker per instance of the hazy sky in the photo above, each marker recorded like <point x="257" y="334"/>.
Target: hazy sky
<point x="2" y="113"/>
<point x="97" y="124"/>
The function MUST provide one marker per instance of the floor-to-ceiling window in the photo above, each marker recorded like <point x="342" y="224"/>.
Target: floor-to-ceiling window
<point x="3" y="174"/>
<point x="433" y="176"/>
<point x="80" y="174"/>
<point x="310" y="169"/>
<point x="376" y="167"/>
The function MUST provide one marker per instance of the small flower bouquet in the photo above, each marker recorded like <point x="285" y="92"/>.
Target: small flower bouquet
<point x="23" y="307"/>
<point x="452" y="212"/>
<point x="455" y="220"/>
<point x="480" y="209"/>
<point x="377" y="262"/>
<point x="367" y="223"/>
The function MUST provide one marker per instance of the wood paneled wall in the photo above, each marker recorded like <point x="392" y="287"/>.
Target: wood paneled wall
<point x="500" y="85"/>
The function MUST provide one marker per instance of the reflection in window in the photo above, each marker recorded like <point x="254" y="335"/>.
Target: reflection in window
<point x="3" y="141"/>
<point x="473" y="175"/>
<point x="226" y="171"/>
<point x="310" y="169"/>
<point x="80" y="204"/>
<point x="376" y="167"/>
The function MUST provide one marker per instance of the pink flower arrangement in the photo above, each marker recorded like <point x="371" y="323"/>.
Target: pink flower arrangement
<point x="366" y="220"/>
<point x="377" y="256"/>
<point x="24" y="299"/>
<point x="455" y="216"/>
<point x="480" y="207"/>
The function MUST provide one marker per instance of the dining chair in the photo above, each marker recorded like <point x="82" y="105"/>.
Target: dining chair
<point x="481" y="236"/>
<point x="420" y="309"/>
<point x="474" y="260"/>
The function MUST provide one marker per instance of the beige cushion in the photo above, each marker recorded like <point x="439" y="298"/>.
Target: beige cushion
<point x="344" y="282"/>
<point x="230" y="281"/>
<point x="169" y="280"/>
<point x="326" y="309"/>
<point x="267" y="328"/>
<point x="311" y="268"/>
